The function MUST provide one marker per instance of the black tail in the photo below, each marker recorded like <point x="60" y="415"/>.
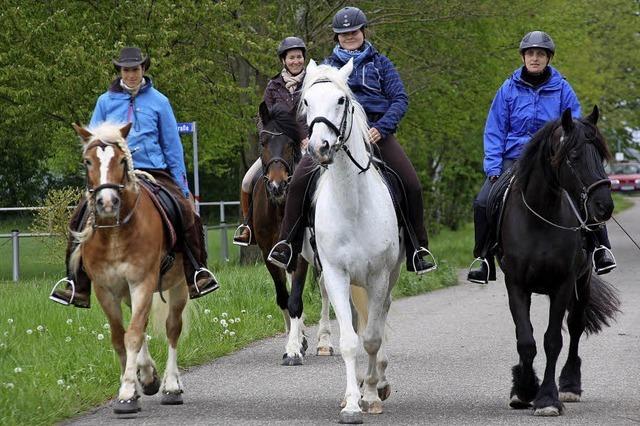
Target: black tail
<point x="603" y="305"/>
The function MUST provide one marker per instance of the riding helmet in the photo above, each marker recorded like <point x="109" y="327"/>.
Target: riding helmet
<point x="349" y="19"/>
<point x="537" y="39"/>
<point x="291" y="43"/>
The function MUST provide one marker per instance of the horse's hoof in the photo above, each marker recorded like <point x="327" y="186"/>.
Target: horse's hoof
<point x="569" y="397"/>
<point x="290" y="361"/>
<point x="126" y="406"/>
<point x="153" y="387"/>
<point x="550" y="411"/>
<point x="375" y="407"/>
<point x="169" y="398"/>
<point x="350" y="417"/>
<point x="518" y="404"/>
<point x="384" y="392"/>
<point x="324" y="351"/>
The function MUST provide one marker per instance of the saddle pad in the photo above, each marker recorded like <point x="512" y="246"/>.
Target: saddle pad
<point x="167" y="207"/>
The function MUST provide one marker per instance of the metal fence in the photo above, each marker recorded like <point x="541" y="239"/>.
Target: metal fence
<point x="16" y="235"/>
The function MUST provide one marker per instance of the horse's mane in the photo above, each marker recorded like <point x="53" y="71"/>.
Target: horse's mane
<point x="327" y="72"/>
<point x="284" y="120"/>
<point x="541" y="152"/>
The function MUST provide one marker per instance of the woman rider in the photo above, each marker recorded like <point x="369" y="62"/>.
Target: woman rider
<point x="379" y="89"/>
<point x="156" y="148"/>
<point x="284" y="88"/>
<point x="533" y="95"/>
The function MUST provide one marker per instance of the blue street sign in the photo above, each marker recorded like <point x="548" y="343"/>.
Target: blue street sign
<point x="186" y="128"/>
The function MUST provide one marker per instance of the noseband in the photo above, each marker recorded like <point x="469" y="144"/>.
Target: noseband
<point x="340" y="132"/>
<point x="277" y="159"/>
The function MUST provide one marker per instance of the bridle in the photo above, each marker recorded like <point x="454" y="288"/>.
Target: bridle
<point x="119" y="187"/>
<point x="585" y="192"/>
<point x="340" y="132"/>
<point x="290" y="168"/>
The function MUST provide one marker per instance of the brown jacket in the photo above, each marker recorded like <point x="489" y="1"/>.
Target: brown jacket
<point x="276" y="92"/>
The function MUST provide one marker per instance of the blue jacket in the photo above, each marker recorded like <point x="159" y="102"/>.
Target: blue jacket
<point x="518" y="111"/>
<point x="376" y="85"/>
<point x="153" y="140"/>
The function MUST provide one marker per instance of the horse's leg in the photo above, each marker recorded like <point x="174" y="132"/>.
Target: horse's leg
<point x="325" y="347"/>
<point x="147" y="372"/>
<point x="339" y="293"/>
<point x="570" y="377"/>
<point x="547" y="402"/>
<point x="297" y="341"/>
<point x="378" y="306"/>
<point x="171" y="382"/>
<point x="113" y="310"/>
<point x="525" y="382"/>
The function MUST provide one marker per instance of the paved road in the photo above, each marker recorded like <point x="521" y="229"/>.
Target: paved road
<point x="450" y="357"/>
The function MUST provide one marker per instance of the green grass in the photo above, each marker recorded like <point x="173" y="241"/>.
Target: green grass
<point x="65" y="364"/>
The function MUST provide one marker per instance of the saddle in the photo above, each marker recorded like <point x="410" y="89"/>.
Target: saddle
<point x="495" y="208"/>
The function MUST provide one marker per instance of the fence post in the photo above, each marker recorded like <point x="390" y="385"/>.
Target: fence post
<point x="223" y="234"/>
<point x="15" y="240"/>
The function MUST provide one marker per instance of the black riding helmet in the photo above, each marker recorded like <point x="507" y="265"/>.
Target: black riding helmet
<point x="291" y="43"/>
<point x="538" y="39"/>
<point x="348" y="19"/>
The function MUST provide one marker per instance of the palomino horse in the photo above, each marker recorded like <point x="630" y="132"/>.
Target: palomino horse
<point x="122" y="247"/>
<point x="560" y="191"/>
<point x="280" y="151"/>
<point x="356" y="231"/>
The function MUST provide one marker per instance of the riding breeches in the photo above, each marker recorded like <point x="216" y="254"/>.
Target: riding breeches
<point x="247" y="181"/>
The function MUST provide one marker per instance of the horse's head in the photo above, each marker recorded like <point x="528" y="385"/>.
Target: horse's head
<point x="578" y="153"/>
<point x="108" y="165"/>
<point x="328" y="104"/>
<point x="280" y="148"/>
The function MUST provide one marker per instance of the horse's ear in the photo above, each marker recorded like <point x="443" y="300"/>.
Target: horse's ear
<point x="263" y="110"/>
<point x="84" y="134"/>
<point x="312" y="66"/>
<point x="346" y="70"/>
<point x="567" y="120"/>
<point x="124" y="130"/>
<point x="593" y="117"/>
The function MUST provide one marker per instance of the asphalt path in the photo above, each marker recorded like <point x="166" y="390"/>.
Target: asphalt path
<point x="450" y="357"/>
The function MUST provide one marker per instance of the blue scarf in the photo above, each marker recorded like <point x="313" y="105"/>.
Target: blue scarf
<point x="357" y="55"/>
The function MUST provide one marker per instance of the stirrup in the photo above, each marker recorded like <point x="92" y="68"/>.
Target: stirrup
<point x="486" y="262"/>
<point x="277" y="262"/>
<point x="53" y="297"/>
<point x="607" y="268"/>
<point x="428" y="254"/>
<point x="195" y="281"/>
<point x="237" y="234"/>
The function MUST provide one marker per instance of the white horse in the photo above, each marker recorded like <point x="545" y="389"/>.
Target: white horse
<point x="356" y="230"/>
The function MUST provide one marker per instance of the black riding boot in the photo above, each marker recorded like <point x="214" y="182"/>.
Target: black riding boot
<point x="200" y="280"/>
<point x="485" y="272"/>
<point x="603" y="259"/>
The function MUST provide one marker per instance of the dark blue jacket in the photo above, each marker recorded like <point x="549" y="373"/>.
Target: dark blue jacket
<point x="153" y="140"/>
<point x="377" y="87"/>
<point x="518" y="111"/>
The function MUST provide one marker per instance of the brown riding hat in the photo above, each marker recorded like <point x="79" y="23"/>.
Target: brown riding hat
<point x="131" y="57"/>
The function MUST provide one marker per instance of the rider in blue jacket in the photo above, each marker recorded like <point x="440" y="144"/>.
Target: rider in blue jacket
<point x="156" y="148"/>
<point x="534" y="94"/>
<point x="377" y="86"/>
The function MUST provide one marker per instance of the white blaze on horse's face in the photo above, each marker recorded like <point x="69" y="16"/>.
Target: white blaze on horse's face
<point x="325" y="100"/>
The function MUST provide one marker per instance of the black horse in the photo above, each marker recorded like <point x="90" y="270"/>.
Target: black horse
<point x="559" y="193"/>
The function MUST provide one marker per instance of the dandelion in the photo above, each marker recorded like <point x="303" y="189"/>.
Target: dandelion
<point x="106" y="326"/>
<point x="269" y="316"/>
<point x="207" y="311"/>
<point x="215" y="319"/>
<point x="6" y="333"/>
<point x="10" y="320"/>
<point x="67" y="339"/>
<point x="148" y="337"/>
<point x="60" y="382"/>
<point x="100" y="336"/>
<point x="224" y="315"/>
<point x="40" y="328"/>
<point x="244" y="311"/>
<point x="9" y="385"/>
<point x="226" y="331"/>
<point x="17" y="370"/>
<point x="231" y="321"/>
<point x="81" y="328"/>
<point x="237" y="320"/>
<point x="69" y="321"/>
<point x="68" y="387"/>
<point x="29" y="331"/>
<point x="3" y="346"/>
<point x="232" y="333"/>
<point x="224" y="323"/>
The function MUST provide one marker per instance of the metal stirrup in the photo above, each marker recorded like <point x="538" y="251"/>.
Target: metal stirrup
<point x="483" y="260"/>
<point x="593" y="259"/>
<point x="237" y="234"/>
<point x="195" y="279"/>
<point x="427" y="253"/>
<point x="277" y="262"/>
<point x="73" y="291"/>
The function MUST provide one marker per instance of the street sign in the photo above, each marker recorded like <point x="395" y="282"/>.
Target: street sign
<point x="186" y="128"/>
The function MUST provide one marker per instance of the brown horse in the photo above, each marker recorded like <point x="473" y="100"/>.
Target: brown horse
<point x="280" y="151"/>
<point x="122" y="247"/>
